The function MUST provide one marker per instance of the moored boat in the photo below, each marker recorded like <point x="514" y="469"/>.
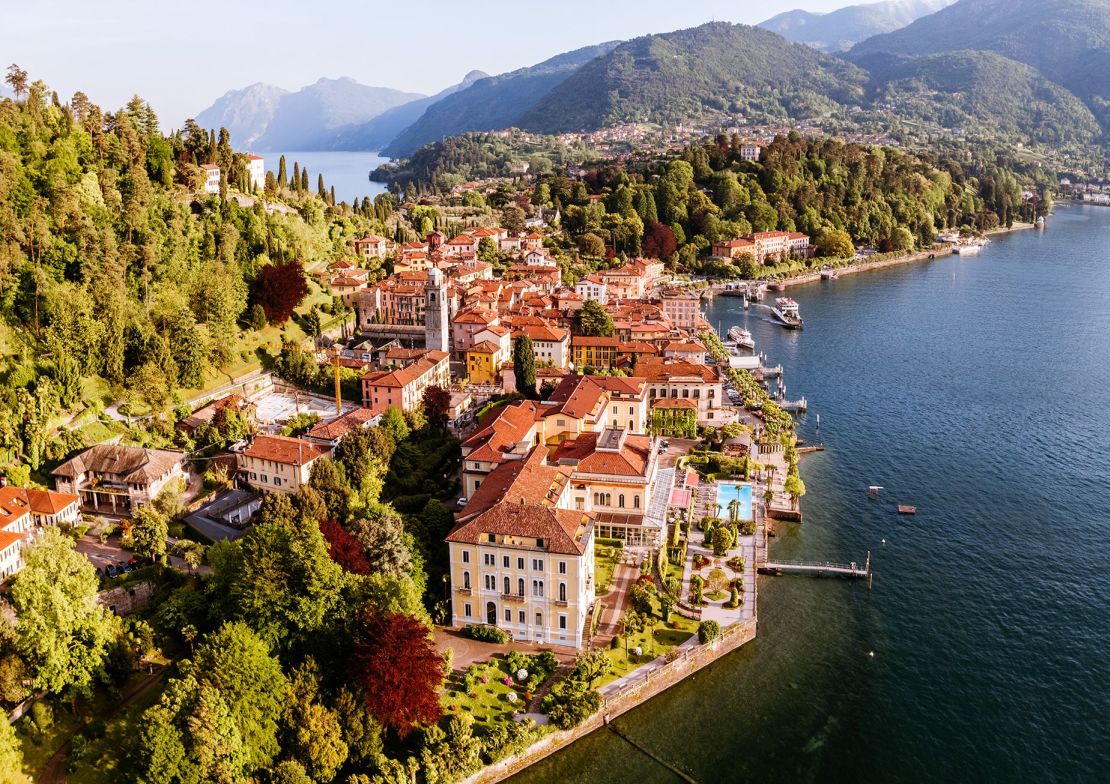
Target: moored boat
<point x="787" y="313"/>
<point x="741" y="337"/>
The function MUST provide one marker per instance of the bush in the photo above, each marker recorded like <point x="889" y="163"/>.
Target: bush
<point x="696" y="587"/>
<point x="708" y="631"/>
<point x="42" y="715"/>
<point x="484" y="633"/>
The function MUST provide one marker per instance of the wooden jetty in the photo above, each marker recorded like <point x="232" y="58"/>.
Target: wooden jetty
<point x="793" y="405"/>
<point x="818" y="568"/>
<point x="905" y="509"/>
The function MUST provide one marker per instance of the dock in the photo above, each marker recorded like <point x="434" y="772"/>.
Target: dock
<point x="793" y="405"/>
<point x="818" y="568"/>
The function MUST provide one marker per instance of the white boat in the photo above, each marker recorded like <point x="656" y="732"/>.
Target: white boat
<point x="970" y="247"/>
<point x="741" y="337"/>
<point x="787" y="313"/>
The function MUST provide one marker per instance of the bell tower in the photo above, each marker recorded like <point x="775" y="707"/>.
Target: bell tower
<point x="436" y="320"/>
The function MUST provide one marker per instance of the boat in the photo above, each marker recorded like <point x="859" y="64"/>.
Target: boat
<point x="907" y="510"/>
<point x="741" y="337"/>
<point x="1040" y="222"/>
<point x="970" y="247"/>
<point x="787" y="313"/>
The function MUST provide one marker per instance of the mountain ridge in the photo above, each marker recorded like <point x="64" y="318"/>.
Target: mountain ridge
<point x="837" y="31"/>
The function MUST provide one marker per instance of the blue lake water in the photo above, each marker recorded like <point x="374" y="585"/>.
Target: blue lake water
<point x="977" y="389"/>
<point x="349" y="172"/>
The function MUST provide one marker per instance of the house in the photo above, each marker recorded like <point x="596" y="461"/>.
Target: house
<point x="405" y="388"/>
<point x="371" y="246"/>
<point x="613" y="477"/>
<point x="211" y="178"/>
<point x="492" y="349"/>
<point x="550" y="344"/>
<point x="674" y="416"/>
<point x="592" y="287"/>
<point x="687" y="381"/>
<point x="749" y="151"/>
<point x="682" y="307"/>
<point x="22" y="512"/>
<point x="625" y="282"/>
<point x="771" y="246"/>
<point x="532" y="241"/>
<point x="687" y="350"/>
<point x="507" y="433"/>
<point x="521" y="558"/>
<point x="581" y="404"/>
<point x="346" y="285"/>
<point x="462" y="246"/>
<point x="328" y="434"/>
<point x="215" y="411"/>
<point x="733" y="249"/>
<point x="117" y="480"/>
<point x="594" y="352"/>
<point x="467" y="323"/>
<point x="545" y="277"/>
<point x="256" y="171"/>
<point x="279" y="464"/>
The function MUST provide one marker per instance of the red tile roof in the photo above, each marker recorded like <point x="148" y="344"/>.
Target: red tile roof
<point x="405" y="376"/>
<point x="284" y="450"/>
<point x="340" y="426"/>
<point x="631" y="461"/>
<point x="13" y="505"/>
<point x="502" y="430"/>
<point x="49" y="502"/>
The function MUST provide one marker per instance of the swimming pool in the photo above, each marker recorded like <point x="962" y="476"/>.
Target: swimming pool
<point x="727" y="492"/>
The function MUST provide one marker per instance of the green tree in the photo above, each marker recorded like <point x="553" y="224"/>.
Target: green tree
<point x="393" y="422"/>
<point x="591" y="245"/>
<point x="902" y="239"/>
<point x="487" y="251"/>
<point x="316" y="740"/>
<point x="524" y="366"/>
<point x="722" y="540"/>
<point x="835" y="244"/>
<point x="593" y="321"/>
<point x="62" y="632"/>
<point x="708" y="631"/>
<point x="640" y="597"/>
<point x="149" y="529"/>
<point x="258" y="318"/>
<point x="11" y="755"/>
<point x="794" y="487"/>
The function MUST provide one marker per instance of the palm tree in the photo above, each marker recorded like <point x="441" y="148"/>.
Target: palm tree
<point x="717" y="510"/>
<point x="733" y="509"/>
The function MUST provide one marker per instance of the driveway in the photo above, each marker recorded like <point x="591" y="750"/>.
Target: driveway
<point x="615" y="602"/>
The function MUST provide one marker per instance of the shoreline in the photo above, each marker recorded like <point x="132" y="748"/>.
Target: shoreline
<point x="910" y="258"/>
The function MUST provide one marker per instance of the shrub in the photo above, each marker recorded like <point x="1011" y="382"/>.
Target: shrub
<point x="484" y="633"/>
<point x="708" y="631"/>
<point x="42" y="715"/>
<point x="722" y="540"/>
<point x="696" y="587"/>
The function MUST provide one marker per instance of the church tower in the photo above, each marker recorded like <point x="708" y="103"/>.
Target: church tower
<point x="436" y="320"/>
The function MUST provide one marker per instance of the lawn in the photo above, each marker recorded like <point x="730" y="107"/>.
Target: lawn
<point x="666" y="638"/>
<point x="607" y="554"/>
<point x="487" y="699"/>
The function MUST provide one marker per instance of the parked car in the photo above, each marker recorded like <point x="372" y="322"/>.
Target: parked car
<point x="462" y="502"/>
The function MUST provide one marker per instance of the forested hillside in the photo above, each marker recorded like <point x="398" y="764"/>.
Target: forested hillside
<point x="119" y="281"/>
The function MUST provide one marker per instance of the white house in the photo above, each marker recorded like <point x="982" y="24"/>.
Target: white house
<point x="256" y="171"/>
<point x="211" y="177"/>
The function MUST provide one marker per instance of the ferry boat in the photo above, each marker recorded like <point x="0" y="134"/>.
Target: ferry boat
<point x="787" y="313"/>
<point x="741" y="337"/>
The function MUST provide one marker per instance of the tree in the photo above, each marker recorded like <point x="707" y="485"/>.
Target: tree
<point x="289" y="772"/>
<point x="591" y="245"/>
<point x="487" y="251"/>
<point x="835" y="244"/>
<point x="794" y="487"/>
<point x="640" y="597"/>
<point x="365" y="453"/>
<point x="11" y="754"/>
<point x="316" y="740"/>
<point x="393" y="422"/>
<point x="359" y="728"/>
<point x="329" y="480"/>
<point x="524" y="367"/>
<point x="708" y="631"/>
<point x="17" y="80"/>
<point x="62" y="632"/>
<point x="593" y="321"/>
<point x="149" y="529"/>
<point x="659" y="241"/>
<point x="902" y="239"/>
<point x="512" y="219"/>
<point x="722" y="540"/>
<point x="279" y="289"/>
<point x="633" y="623"/>
<point x="437" y="406"/>
<point x="344" y="548"/>
<point x="399" y="670"/>
<point x="258" y="318"/>
<point x="384" y="543"/>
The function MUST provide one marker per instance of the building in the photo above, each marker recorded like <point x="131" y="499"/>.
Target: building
<point x="749" y="151"/>
<point x="328" y="434"/>
<point x="22" y="512"/>
<point x="211" y="178"/>
<point x="507" y="433"/>
<point x="467" y="323"/>
<point x="347" y="285"/>
<point x="669" y="378"/>
<point x="521" y="558"/>
<point x="592" y="287"/>
<point x="256" y="171"/>
<point x="437" y="321"/>
<point x="213" y="413"/>
<point x="594" y="352"/>
<point x="733" y="249"/>
<point x="550" y="344"/>
<point x="674" y="416"/>
<point x="279" y="464"/>
<point x="405" y="388"/>
<point x="371" y="246"/>
<point x="117" y="480"/>
<point x="687" y="350"/>
<point x="682" y="307"/>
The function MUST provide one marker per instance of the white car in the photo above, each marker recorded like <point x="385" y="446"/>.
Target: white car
<point x="462" y="502"/>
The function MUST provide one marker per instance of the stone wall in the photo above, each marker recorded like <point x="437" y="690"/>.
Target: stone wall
<point x="629" y="696"/>
<point x="126" y="599"/>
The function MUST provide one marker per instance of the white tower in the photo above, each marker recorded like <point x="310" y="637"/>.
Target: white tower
<point x="436" y="334"/>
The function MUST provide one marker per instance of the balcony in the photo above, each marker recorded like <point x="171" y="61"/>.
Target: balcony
<point x="512" y="597"/>
<point x="560" y="603"/>
<point x="463" y="591"/>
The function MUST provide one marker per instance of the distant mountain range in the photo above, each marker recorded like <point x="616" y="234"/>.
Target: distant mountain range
<point x="1036" y="70"/>
<point x="265" y="117"/>
<point x="838" y="30"/>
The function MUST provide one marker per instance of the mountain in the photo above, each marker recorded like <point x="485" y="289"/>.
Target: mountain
<point x="491" y="103"/>
<point x="715" y="68"/>
<point x="1068" y="41"/>
<point x="380" y="131"/>
<point x="245" y="113"/>
<point x="979" y="90"/>
<point x="838" y="30"/>
<point x="264" y="117"/>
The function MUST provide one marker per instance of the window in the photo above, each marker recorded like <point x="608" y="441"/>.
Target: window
<point x="631" y="410"/>
<point x="539" y="619"/>
<point x="508" y="585"/>
<point x="254" y="475"/>
<point x="466" y="580"/>
<point x="697" y="394"/>
<point x="635" y="502"/>
<point x="562" y="567"/>
<point x="520" y="586"/>
<point x="505" y="561"/>
<point x="537" y="565"/>
<point x="620" y="500"/>
<point x="265" y="478"/>
<point x="520" y="564"/>
<point x="562" y="592"/>
<point x="537" y="589"/>
<point x="508" y="615"/>
<point x="562" y="621"/>
<point x="466" y="556"/>
<point x="466" y="609"/>
<point x="491" y="582"/>
<point x="523" y="618"/>
<point x="686" y="393"/>
<point x="277" y="481"/>
<point x="488" y="559"/>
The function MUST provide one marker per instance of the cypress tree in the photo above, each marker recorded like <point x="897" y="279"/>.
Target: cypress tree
<point x="304" y="180"/>
<point x="295" y="183"/>
<point x="281" y="176"/>
<point x="320" y="187"/>
<point x="331" y="198"/>
<point x="524" y="366"/>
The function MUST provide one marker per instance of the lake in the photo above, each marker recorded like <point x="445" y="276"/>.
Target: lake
<point x="349" y="172"/>
<point x="977" y="389"/>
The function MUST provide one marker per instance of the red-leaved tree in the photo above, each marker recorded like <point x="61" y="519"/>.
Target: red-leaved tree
<point x="280" y="288"/>
<point x="344" y="548"/>
<point x="659" y="241"/>
<point x="399" y="670"/>
<point x="437" y="405"/>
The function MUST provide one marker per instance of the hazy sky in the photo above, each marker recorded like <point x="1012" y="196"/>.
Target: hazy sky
<point x="182" y="56"/>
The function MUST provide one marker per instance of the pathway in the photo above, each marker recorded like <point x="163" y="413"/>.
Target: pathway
<point x="623" y="577"/>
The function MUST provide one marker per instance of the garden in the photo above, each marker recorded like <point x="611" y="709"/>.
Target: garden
<point x="607" y="554"/>
<point x="491" y="692"/>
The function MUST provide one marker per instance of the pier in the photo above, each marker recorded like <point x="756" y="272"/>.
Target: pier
<point x="818" y="568"/>
<point x="793" y="405"/>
